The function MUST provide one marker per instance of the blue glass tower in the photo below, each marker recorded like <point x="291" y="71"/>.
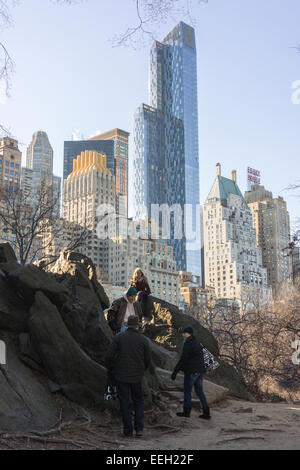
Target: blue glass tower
<point x="166" y="162"/>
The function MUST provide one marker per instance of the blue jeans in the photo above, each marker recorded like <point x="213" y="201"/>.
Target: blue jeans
<point x="124" y="391"/>
<point x="195" y="380"/>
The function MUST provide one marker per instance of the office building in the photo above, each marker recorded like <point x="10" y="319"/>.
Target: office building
<point x="165" y="139"/>
<point x="272" y="224"/>
<point x="233" y="261"/>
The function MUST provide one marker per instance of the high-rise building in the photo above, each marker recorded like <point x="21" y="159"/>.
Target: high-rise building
<point x="39" y="159"/>
<point x="27" y="181"/>
<point x="89" y="185"/>
<point x="10" y="164"/>
<point x="120" y="139"/>
<point x="272" y="224"/>
<point x="73" y="148"/>
<point x="233" y="261"/>
<point x="198" y="300"/>
<point x="10" y="172"/>
<point x="166" y="162"/>
<point x="114" y="144"/>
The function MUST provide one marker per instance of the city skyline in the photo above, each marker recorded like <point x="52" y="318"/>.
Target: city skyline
<point x="245" y="118"/>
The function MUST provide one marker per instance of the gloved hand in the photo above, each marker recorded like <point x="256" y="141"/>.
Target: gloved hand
<point x="173" y="376"/>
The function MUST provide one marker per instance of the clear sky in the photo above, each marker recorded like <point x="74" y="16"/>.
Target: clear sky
<point x="70" y="79"/>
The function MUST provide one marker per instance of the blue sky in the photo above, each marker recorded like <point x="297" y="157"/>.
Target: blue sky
<point x="70" y="79"/>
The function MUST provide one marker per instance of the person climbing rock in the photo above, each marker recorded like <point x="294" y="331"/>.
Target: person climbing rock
<point x="140" y="282"/>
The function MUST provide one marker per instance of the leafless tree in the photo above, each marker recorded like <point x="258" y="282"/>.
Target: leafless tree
<point x="31" y="224"/>
<point x="150" y="15"/>
<point x="258" y="342"/>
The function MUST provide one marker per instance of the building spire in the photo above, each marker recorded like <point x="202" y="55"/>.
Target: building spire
<point x="218" y="169"/>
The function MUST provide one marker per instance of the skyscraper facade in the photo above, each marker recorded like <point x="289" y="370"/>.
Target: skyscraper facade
<point x="90" y="184"/>
<point x="166" y="162"/>
<point x="233" y="261"/>
<point x="10" y="164"/>
<point x="272" y="224"/>
<point x="39" y="159"/>
<point x="120" y="139"/>
<point x="73" y="148"/>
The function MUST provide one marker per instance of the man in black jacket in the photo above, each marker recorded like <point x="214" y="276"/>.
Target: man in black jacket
<point x="191" y="363"/>
<point x="127" y="359"/>
<point x="121" y="308"/>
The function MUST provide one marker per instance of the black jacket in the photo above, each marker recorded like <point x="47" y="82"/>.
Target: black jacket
<point x="128" y="356"/>
<point x="191" y="359"/>
<point x="116" y="313"/>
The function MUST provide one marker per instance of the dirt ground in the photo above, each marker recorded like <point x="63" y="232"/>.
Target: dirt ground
<point x="235" y="424"/>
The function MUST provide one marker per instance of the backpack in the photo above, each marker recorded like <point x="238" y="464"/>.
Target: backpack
<point x="210" y="362"/>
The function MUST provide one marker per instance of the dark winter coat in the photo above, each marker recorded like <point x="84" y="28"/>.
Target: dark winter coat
<point x="128" y="356"/>
<point x="141" y="286"/>
<point x="191" y="360"/>
<point x="117" y="310"/>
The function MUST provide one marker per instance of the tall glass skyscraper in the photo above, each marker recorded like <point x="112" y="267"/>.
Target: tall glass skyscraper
<point x="166" y="162"/>
<point x="39" y="157"/>
<point x="39" y="167"/>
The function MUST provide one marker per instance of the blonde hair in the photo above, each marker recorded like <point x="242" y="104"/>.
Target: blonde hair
<point x="134" y="278"/>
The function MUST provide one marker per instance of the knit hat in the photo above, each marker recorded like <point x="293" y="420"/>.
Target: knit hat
<point x="188" y="329"/>
<point x="133" y="321"/>
<point x="131" y="291"/>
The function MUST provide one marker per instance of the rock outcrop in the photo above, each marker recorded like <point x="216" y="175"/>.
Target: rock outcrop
<point x="56" y="336"/>
<point x="83" y="310"/>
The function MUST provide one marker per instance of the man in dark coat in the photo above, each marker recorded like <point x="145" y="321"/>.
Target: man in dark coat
<point x="191" y="363"/>
<point x="127" y="359"/>
<point x="122" y="308"/>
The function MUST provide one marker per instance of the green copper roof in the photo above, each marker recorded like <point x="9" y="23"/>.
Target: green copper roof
<point x="222" y="187"/>
<point x="227" y="186"/>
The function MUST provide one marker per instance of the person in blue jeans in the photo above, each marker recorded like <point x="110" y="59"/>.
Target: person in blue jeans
<point x="191" y="363"/>
<point x="127" y="359"/>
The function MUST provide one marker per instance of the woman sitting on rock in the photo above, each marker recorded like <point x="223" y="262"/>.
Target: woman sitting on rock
<point x="140" y="282"/>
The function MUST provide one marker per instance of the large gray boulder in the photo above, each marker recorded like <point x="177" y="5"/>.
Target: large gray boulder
<point x="26" y="403"/>
<point x="28" y="279"/>
<point x="79" y="377"/>
<point x="13" y="312"/>
<point x="7" y="253"/>
<point x="57" y="336"/>
<point x="83" y="311"/>
<point x="75" y="264"/>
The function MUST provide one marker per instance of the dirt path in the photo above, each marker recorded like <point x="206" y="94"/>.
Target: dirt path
<point x="234" y="425"/>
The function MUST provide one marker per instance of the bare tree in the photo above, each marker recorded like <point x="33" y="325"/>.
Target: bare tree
<point x="257" y="342"/>
<point x="150" y="15"/>
<point x="31" y="224"/>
